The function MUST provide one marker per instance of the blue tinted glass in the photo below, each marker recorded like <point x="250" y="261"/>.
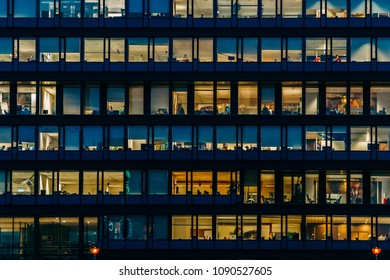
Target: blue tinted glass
<point x="160" y="227"/>
<point x="158" y="182"/>
<point x="226" y="134"/>
<point x="72" y="44"/>
<point x="135" y="8"/>
<point x="137" y="132"/>
<point x="46" y="8"/>
<point x="5" y="134"/>
<point x="249" y="134"/>
<point x="93" y="136"/>
<point x="49" y="45"/>
<point x="116" y="136"/>
<point x="136" y="228"/>
<point x="294" y="139"/>
<point x="270" y="136"/>
<point x="72" y="138"/>
<point x="6" y="46"/>
<point x="159" y="6"/>
<point x="181" y="134"/>
<point x="133" y="181"/>
<point x="25" y="9"/>
<point x="227" y="47"/>
<point x="380" y="6"/>
<point x="271" y="43"/>
<point x="205" y="134"/>
<point x="26" y="134"/>
<point x="294" y="43"/>
<point x="3" y="8"/>
<point x="160" y="132"/>
<point x="383" y="52"/>
<point x="70" y="9"/>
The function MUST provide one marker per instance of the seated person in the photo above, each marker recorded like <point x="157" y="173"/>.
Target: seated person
<point x="317" y="59"/>
<point x="382" y="112"/>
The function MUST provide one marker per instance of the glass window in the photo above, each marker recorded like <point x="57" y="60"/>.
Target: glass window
<point x="337" y="8"/>
<point x="91" y="8"/>
<point x="204" y="104"/>
<point x="92" y="100"/>
<point x="383" y="138"/>
<point x="312" y="187"/>
<point x="356" y="188"/>
<point x="93" y="49"/>
<point x="117" y="50"/>
<point x="4" y="98"/>
<point x="72" y="138"/>
<point x="90" y="231"/>
<point x="158" y="182"/>
<point x="313" y="8"/>
<point x="180" y="8"/>
<point x="315" y="49"/>
<point x="205" y="138"/>
<point x="48" y="138"/>
<point x="380" y="9"/>
<point x="223" y="98"/>
<point x="3" y="8"/>
<point x="336" y="187"/>
<point x="380" y="99"/>
<point x="3" y="182"/>
<point x="292" y="188"/>
<point x="134" y="182"/>
<point x="246" y="8"/>
<point x="271" y="50"/>
<point x="247" y="98"/>
<point x="225" y="8"/>
<point x="267" y="100"/>
<point x="268" y="9"/>
<point x="117" y="138"/>
<point x="249" y="138"/>
<point x="159" y="100"/>
<point x="380" y="187"/>
<point x="205" y="227"/>
<point x="206" y="52"/>
<point x="181" y="138"/>
<point x="127" y="227"/>
<point x="27" y="97"/>
<point x="5" y="138"/>
<point x="339" y="227"/>
<point x="179" y="99"/>
<point x="339" y="138"/>
<point x="202" y="183"/>
<point x="135" y="8"/>
<point x="114" y="8"/>
<point x="250" y="187"/>
<point x="356" y="100"/>
<point x="270" y="138"/>
<point x="137" y="138"/>
<point x="226" y="138"/>
<point x="113" y="182"/>
<point x="23" y="182"/>
<point x="138" y="49"/>
<point x="68" y="182"/>
<point x="182" y="49"/>
<point x="181" y="227"/>
<point x="316" y="139"/>
<point x="292" y="98"/>
<point x="73" y="50"/>
<point x="360" y="49"/>
<point x="358" y="9"/>
<point x="294" y="138"/>
<point x="27" y="50"/>
<point x="49" y="50"/>
<point x="203" y="9"/>
<point x="25" y="9"/>
<point x="316" y="227"/>
<point x="312" y="98"/>
<point x="292" y="9"/>
<point x="294" y="51"/>
<point x="91" y="182"/>
<point x="136" y="100"/>
<point x="92" y="138"/>
<point x="271" y="227"/>
<point x="294" y="223"/>
<point x="226" y="49"/>
<point x="360" y="138"/>
<point x="339" y="49"/>
<point x="71" y="100"/>
<point x="159" y="8"/>
<point x="161" y="138"/>
<point x="383" y="52"/>
<point x="336" y="100"/>
<point x="227" y="227"/>
<point x="179" y="182"/>
<point x="70" y="9"/>
<point x="250" y="47"/>
<point x="47" y="98"/>
<point x="115" y="100"/>
<point x="267" y="187"/>
<point x="6" y="49"/>
<point x="228" y="183"/>
<point x="46" y="8"/>
<point x="161" y="49"/>
<point x="383" y="228"/>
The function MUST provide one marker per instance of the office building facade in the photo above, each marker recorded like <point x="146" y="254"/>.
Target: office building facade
<point x="194" y="128"/>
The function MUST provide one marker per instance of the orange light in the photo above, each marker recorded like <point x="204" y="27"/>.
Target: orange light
<point x="376" y="251"/>
<point x="95" y="251"/>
